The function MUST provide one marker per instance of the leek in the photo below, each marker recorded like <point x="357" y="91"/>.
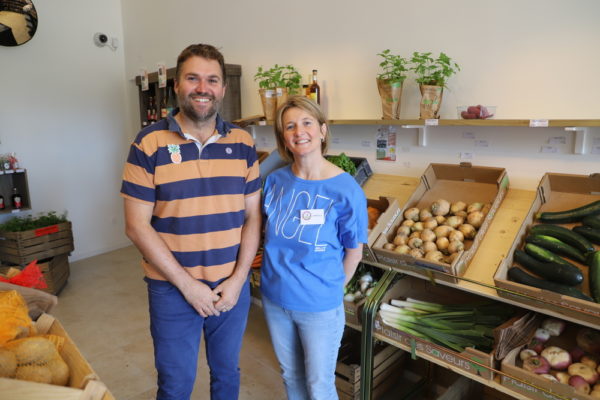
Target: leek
<point x="455" y="326"/>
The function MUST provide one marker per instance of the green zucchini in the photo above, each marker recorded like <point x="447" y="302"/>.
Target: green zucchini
<point x="572" y="215"/>
<point x="593" y="221"/>
<point x="565" y="235"/>
<point x="516" y="274"/>
<point x="555" y="245"/>
<point x="545" y="255"/>
<point x="593" y="235"/>
<point x="594" y="275"/>
<point x="560" y="273"/>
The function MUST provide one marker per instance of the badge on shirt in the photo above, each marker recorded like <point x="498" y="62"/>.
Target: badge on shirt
<point x="175" y="153"/>
<point x="315" y="216"/>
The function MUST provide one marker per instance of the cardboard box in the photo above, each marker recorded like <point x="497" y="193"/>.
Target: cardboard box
<point x="555" y="192"/>
<point x="532" y="385"/>
<point x="83" y="382"/>
<point x="472" y="361"/>
<point x="353" y="311"/>
<point x="390" y="209"/>
<point x="36" y="244"/>
<point x="452" y="182"/>
<point x="387" y="366"/>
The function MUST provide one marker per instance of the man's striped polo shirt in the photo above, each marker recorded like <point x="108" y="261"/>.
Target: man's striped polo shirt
<point x="198" y="197"/>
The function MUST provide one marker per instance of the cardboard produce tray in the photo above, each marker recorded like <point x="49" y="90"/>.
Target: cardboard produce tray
<point x="390" y="210"/>
<point x="36" y="244"/>
<point x="555" y="192"/>
<point x="453" y="182"/>
<point x="471" y="361"/>
<point x="533" y="385"/>
<point x="83" y="382"/>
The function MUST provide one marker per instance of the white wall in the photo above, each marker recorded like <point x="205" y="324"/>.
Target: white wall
<point x="533" y="59"/>
<point x="62" y="110"/>
<point x="68" y="109"/>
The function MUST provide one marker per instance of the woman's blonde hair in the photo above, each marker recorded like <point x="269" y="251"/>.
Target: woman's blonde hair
<point x="307" y="105"/>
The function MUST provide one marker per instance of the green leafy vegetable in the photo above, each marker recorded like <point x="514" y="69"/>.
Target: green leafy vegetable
<point x="20" y="224"/>
<point x="344" y="162"/>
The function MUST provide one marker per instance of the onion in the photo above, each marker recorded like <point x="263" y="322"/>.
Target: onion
<point x="412" y="214"/>
<point x="458" y="206"/>
<point x="389" y="246"/>
<point x="467" y="230"/>
<point x="456" y="235"/>
<point x="402" y="249"/>
<point x="425" y="214"/>
<point x="474" y="207"/>
<point x="428" y="235"/>
<point x="440" y="207"/>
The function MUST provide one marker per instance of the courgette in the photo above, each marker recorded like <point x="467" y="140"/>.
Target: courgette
<point x="545" y="255"/>
<point x="593" y="235"/>
<point x="593" y="221"/>
<point x="565" y="235"/>
<point x="560" y="273"/>
<point x="594" y="275"/>
<point x="516" y="274"/>
<point x="555" y="245"/>
<point x="572" y="215"/>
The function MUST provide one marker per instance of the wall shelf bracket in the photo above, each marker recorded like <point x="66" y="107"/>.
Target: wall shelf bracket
<point x="422" y="133"/>
<point x="580" y="136"/>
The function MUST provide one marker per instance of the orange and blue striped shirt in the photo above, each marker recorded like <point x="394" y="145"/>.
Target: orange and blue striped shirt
<point x="198" y="196"/>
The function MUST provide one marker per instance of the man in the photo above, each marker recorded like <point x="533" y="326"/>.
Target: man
<point x="192" y="207"/>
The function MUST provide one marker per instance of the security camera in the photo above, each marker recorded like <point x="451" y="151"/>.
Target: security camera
<point x="100" y="39"/>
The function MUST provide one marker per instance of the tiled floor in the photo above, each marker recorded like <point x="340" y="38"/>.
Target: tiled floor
<point x="104" y="310"/>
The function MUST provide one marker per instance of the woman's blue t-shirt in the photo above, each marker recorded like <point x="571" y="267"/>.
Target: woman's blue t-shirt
<point x="303" y="264"/>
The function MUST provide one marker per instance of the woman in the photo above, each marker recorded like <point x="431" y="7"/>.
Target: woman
<point x="315" y="227"/>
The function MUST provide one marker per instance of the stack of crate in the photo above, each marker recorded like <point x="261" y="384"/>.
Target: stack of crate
<point x="49" y="245"/>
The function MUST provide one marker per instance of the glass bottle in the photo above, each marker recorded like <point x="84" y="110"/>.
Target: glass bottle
<point x="314" y="90"/>
<point x="163" y="103"/>
<point x="16" y="199"/>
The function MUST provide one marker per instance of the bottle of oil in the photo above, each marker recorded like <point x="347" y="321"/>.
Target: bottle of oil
<point x="314" y="90"/>
<point x="16" y="199"/>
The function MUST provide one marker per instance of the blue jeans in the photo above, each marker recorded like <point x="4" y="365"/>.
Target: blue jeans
<point x="176" y="330"/>
<point x="306" y="345"/>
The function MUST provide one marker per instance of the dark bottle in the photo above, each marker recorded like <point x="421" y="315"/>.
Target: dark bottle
<point x="2" y="205"/>
<point x="149" y="110"/>
<point x="163" y="103"/>
<point x="171" y="101"/>
<point x="314" y="90"/>
<point x="16" y="199"/>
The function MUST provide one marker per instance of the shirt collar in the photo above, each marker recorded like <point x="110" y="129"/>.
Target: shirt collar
<point x="223" y="127"/>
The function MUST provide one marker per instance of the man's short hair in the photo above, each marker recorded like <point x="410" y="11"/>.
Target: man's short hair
<point x="201" y="50"/>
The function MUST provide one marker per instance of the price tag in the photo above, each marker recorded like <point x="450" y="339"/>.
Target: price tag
<point x="468" y="135"/>
<point x="162" y="75"/>
<point x="432" y="122"/>
<point x="269" y="93"/>
<point x="549" y="149"/>
<point x="481" y="143"/>
<point x="144" y="79"/>
<point x="557" y="140"/>
<point x="365" y="143"/>
<point x="538" y="123"/>
<point x="465" y="155"/>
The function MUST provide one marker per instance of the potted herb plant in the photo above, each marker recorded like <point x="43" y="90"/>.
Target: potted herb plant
<point x="274" y="85"/>
<point x="389" y="83"/>
<point x="432" y="74"/>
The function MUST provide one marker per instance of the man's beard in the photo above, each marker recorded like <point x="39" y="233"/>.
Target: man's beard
<point x="187" y="108"/>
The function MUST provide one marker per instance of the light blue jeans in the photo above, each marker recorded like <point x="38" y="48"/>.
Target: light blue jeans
<point x="306" y="345"/>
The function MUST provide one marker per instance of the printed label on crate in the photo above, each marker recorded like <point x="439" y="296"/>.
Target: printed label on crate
<point x="431" y="350"/>
<point x="523" y="387"/>
<point x="46" y="230"/>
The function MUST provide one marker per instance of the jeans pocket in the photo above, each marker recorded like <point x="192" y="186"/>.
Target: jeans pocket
<point x="157" y="287"/>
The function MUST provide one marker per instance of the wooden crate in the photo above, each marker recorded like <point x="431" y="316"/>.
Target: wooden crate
<point x="83" y="382"/>
<point x="56" y="273"/>
<point x="55" y="270"/>
<point x="387" y="366"/>
<point x="23" y="247"/>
